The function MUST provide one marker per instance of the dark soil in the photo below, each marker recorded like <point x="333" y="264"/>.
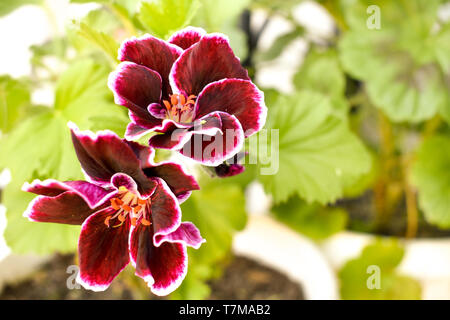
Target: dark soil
<point x="362" y="216"/>
<point x="242" y="279"/>
<point x="246" y="279"/>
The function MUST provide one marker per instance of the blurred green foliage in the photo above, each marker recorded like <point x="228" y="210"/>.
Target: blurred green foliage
<point x="373" y="275"/>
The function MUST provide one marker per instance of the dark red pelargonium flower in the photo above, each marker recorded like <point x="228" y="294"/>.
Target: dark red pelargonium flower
<point x="192" y="90"/>
<point x="129" y="211"/>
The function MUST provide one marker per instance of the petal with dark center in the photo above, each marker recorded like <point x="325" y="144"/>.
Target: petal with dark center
<point x="104" y="154"/>
<point x="187" y="234"/>
<point x="67" y="208"/>
<point x="237" y="97"/>
<point x="174" y="135"/>
<point x="163" y="267"/>
<point x="135" y="87"/>
<point x="145" y="154"/>
<point x="165" y="210"/>
<point x="211" y="59"/>
<point x="157" y="111"/>
<point x="187" y="37"/>
<point x="139" y="127"/>
<point x="175" y="176"/>
<point x="153" y="53"/>
<point x="213" y="150"/>
<point x="103" y="251"/>
<point x="123" y="180"/>
<point x="64" y="202"/>
<point x="171" y="135"/>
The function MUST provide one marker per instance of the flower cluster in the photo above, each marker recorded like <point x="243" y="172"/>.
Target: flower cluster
<point x="195" y="96"/>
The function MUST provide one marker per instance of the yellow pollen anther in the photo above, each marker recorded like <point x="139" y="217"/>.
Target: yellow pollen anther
<point x="133" y="221"/>
<point x="126" y="208"/>
<point x="107" y="221"/>
<point x="167" y="105"/>
<point x="137" y="209"/>
<point x="123" y="189"/>
<point x="142" y="201"/>
<point x="121" y="218"/>
<point x="182" y="99"/>
<point x="145" y="222"/>
<point x="174" y="99"/>
<point x="115" y="203"/>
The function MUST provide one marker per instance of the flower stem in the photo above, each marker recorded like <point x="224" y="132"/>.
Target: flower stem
<point x="386" y="155"/>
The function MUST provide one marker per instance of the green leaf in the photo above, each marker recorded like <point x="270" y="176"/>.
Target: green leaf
<point x="311" y="75"/>
<point x="14" y="102"/>
<point x="316" y="150"/>
<point x="41" y="147"/>
<point x="431" y="176"/>
<point x="400" y="62"/>
<point x="315" y="221"/>
<point x="321" y="71"/>
<point x="105" y="42"/>
<point x="8" y="6"/>
<point x="213" y="14"/>
<point x="383" y="256"/>
<point x="163" y="17"/>
<point x="218" y="210"/>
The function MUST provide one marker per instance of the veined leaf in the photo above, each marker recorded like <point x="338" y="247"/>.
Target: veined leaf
<point x="163" y="17"/>
<point x="316" y="153"/>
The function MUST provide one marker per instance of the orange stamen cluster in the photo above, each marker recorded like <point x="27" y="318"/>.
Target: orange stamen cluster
<point x="129" y="204"/>
<point x="179" y="106"/>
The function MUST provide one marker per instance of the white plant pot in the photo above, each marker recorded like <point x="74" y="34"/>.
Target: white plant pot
<point x="427" y="260"/>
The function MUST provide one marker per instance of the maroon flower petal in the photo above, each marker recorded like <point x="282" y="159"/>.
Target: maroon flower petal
<point x="175" y="135"/>
<point x="105" y="154"/>
<point x="135" y="87"/>
<point x="179" y="182"/>
<point x="237" y="97"/>
<point x="143" y="153"/>
<point x="102" y="250"/>
<point x="187" y="234"/>
<point x="211" y="59"/>
<point x="225" y="170"/>
<point x="166" y="212"/>
<point x="157" y="111"/>
<point x="139" y="127"/>
<point x="123" y="180"/>
<point x="213" y="150"/>
<point x="68" y="202"/>
<point x="187" y="37"/>
<point x="66" y="208"/>
<point x="91" y="193"/>
<point x="171" y="136"/>
<point x="153" y="53"/>
<point x="163" y="267"/>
